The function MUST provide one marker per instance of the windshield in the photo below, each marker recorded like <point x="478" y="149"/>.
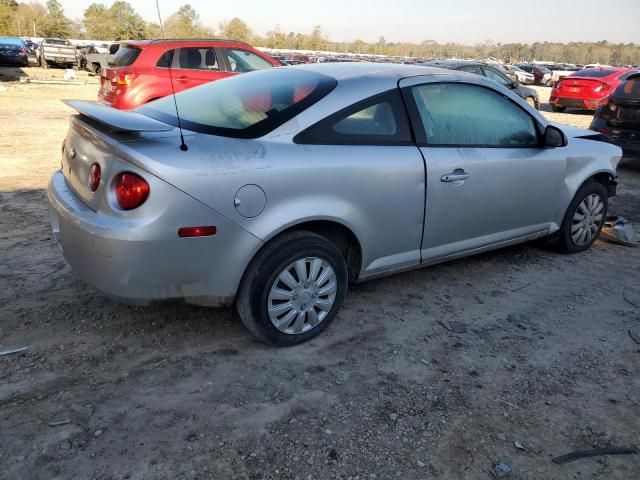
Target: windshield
<point x="243" y="106"/>
<point x="55" y="41"/>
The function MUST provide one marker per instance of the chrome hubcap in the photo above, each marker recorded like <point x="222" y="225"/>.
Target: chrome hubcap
<point x="587" y="220"/>
<point x="302" y="295"/>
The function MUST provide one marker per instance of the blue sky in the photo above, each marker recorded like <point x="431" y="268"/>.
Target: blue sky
<point x="464" y="21"/>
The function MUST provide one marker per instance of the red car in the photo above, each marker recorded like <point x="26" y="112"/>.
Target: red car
<point x="139" y="71"/>
<point x="587" y="89"/>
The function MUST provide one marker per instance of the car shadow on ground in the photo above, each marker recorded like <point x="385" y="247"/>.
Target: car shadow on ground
<point x="11" y="74"/>
<point x="546" y="107"/>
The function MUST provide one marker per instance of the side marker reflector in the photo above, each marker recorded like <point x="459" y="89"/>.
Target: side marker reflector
<point x="188" y="232"/>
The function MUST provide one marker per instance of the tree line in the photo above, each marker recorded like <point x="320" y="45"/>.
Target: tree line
<point x="120" y="21"/>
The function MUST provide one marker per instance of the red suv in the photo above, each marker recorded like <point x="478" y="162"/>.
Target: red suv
<point x="139" y="71"/>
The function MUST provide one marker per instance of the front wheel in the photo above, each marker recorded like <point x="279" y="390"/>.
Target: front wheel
<point x="584" y="218"/>
<point x="293" y="289"/>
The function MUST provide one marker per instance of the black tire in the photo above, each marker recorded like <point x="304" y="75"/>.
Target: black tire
<point x="269" y="263"/>
<point x="564" y="240"/>
<point x="557" y="109"/>
<point x="532" y="101"/>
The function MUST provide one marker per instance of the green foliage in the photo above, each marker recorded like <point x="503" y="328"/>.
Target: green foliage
<point x="236" y="29"/>
<point x="185" y="23"/>
<point x="56" y="24"/>
<point x="118" y="22"/>
<point x="7" y="11"/>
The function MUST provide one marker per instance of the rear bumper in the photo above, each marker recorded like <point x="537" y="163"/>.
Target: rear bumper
<point x="139" y="262"/>
<point x="627" y="140"/>
<point x="579" y="103"/>
<point x="17" y="61"/>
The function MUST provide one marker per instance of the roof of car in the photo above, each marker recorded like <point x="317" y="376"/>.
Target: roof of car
<point x="343" y="70"/>
<point x="159" y="41"/>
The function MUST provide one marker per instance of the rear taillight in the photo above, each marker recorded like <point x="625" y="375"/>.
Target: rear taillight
<point x="22" y="53"/>
<point x="131" y="190"/>
<point x="95" y="173"/>
<point x="602" y="88"/>
<point x="124" y="78"/>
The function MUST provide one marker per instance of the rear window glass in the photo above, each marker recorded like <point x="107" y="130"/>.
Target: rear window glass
<point x="6" y="41"/>
<point x="243" y="106"/>
<point x="125" y="56"/>
<point x="593" y="73"/>
<point x="54" y="41"/>
<point x="629" y="89"/>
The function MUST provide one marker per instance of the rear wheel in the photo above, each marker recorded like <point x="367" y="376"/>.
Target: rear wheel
<point x="293" y="289"/>
<point x="584" y="218"/>
<point x="531" y="101"/>
<point x="558" y="109"/>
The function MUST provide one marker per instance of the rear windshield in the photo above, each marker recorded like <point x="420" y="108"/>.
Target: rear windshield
<point x="629" y="90"/>
<point x="6" y="41"/>
<point x="243" y="106"/>
<point x="593" y="73"/>
<point x="125" y="56"/>
<point x="55" y="41"/>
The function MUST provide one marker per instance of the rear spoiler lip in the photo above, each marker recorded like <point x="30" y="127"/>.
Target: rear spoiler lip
<point x="118" y="121"/>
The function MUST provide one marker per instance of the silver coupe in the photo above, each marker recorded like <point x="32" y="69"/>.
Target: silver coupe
<point x="275" y="189"/>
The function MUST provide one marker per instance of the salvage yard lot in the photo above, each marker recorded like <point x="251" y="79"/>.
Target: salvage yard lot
<point x="429" y="374"/>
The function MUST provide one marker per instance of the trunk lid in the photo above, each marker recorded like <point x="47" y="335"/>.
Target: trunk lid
<point x="582" y="86"/>
<point x="96" y="136"/>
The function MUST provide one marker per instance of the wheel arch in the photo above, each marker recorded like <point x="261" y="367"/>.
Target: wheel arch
<point x="343" y="237"/>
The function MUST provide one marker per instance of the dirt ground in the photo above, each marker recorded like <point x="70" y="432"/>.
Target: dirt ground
<point x="424" y="375"/>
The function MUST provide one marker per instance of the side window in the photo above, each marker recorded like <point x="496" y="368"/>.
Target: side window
<point x="459" y="114"/>
<point x="380" y="120"/>
<point x="165" y="60"/>
<point x="496" y="76"/>
<point x="198" y="58"/>
<point x="472" y="69"/>
<point x="244" y="61"/>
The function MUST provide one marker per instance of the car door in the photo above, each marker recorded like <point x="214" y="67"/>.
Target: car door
<point x="365" y="157"/>
<point x="193" y="66"/>
<point x="489" y="183"/>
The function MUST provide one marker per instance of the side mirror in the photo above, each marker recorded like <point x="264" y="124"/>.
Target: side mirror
<point x="554" y="137"/>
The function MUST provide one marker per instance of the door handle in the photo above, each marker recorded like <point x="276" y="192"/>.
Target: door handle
<point x="458" y="176"/>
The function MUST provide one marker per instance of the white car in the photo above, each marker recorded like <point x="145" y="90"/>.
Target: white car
<point x="523" y="77"/>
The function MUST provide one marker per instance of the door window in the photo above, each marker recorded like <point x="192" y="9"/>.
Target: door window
<point x="380" y="120"/>
<point x="458" y="114"/>
<point x="244" y="61"/>
<point x="198" y="58"/>
<point x="472" y="69"/>
<point x="492" y="74"/>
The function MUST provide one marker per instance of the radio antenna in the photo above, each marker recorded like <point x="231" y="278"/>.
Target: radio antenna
<point x="183" y="145"/>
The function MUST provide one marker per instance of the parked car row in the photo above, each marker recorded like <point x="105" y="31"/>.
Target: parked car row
<point x="494" y="72"/>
